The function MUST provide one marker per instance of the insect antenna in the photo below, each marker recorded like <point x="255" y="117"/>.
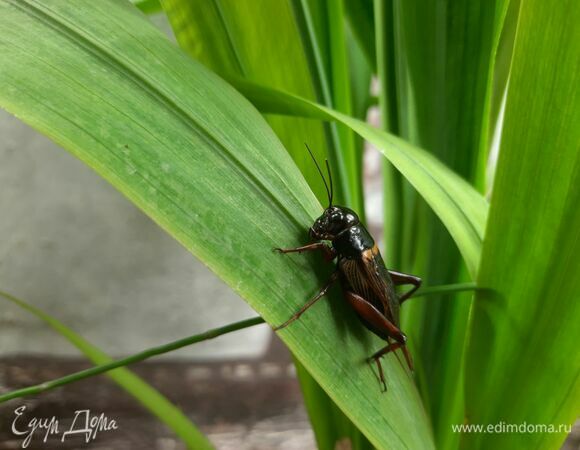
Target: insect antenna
<point x="330" y="181"/>
<point x="329" y="192"/>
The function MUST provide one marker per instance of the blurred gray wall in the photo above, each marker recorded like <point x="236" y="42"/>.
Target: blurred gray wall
<point x="76" y="248"/>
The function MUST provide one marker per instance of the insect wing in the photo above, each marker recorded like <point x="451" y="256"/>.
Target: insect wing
<point x="383" y="295"/>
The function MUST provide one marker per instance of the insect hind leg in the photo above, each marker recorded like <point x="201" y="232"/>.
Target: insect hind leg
<point x="390" y="348"/>
<point x="376" y="357"/>
<point x="400" y="278"/>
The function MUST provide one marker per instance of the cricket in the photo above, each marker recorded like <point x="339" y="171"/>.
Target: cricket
<point x="367" y="285"/>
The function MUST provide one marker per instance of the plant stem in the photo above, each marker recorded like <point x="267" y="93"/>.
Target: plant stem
<point x="446" y="289"/>
<point x="97" y="370"/>
<point x="184" y="342"/>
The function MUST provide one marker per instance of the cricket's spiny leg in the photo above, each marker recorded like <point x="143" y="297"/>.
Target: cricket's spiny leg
<point x="329" y="252"/>
<point x="317" y="297"/>
<point x="400" y="278"/>
<point x="391" y="348"/>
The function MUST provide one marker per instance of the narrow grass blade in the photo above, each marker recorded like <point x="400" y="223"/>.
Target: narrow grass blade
<point x="150" y="398"/>
<point x="360" y="80"/>
<point x="360" y="15"/>
<point x="523" y="359"/>
<point x="360" y="92"/>
<point x="312" y="19"/>
<point x="394" y="213"/>
<point x="342" y="100"/>
<point x="459" y="206"/>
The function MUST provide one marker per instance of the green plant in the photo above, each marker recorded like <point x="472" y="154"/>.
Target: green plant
<point x="102" y="82"/>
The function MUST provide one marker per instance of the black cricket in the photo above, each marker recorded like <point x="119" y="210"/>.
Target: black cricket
<point x="368" y="286"/>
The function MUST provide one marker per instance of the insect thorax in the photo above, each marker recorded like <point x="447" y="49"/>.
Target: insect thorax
<point x="353" y="241"/>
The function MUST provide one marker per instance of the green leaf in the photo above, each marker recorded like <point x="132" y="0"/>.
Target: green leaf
<point x="148" y="6"/>
<point x="342" y="100"/>
<point x="149" y="397"/>
<point x="360" y="17"/>
<point x="394" y="214"/>
<point x="360" y="92"/>
<point x="459" y="206"/>
<point x="228" y="37"/>
<point x="360" y="82"/>
<point x="318" y="22"/>
<point x="331" y="427"/>
<point x="523" y="360"/>
<point x="443" y="76"/>
<point x="200" y="160"/>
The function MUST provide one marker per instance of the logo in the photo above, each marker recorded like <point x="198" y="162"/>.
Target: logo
<point x="84" y="423"/>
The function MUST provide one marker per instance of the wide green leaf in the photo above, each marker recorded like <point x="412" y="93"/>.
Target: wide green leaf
<point x="148" y="396"/>
<point x="228" y="37"/>
<point x="201" y="161"/>
<point x="523" y="360"/>
<point x="459" y="206"/>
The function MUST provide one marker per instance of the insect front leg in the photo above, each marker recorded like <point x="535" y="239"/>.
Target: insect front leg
<point x="311" y="302"/>
<point x="400" y="278"/>
<point x="329" y="252"/>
